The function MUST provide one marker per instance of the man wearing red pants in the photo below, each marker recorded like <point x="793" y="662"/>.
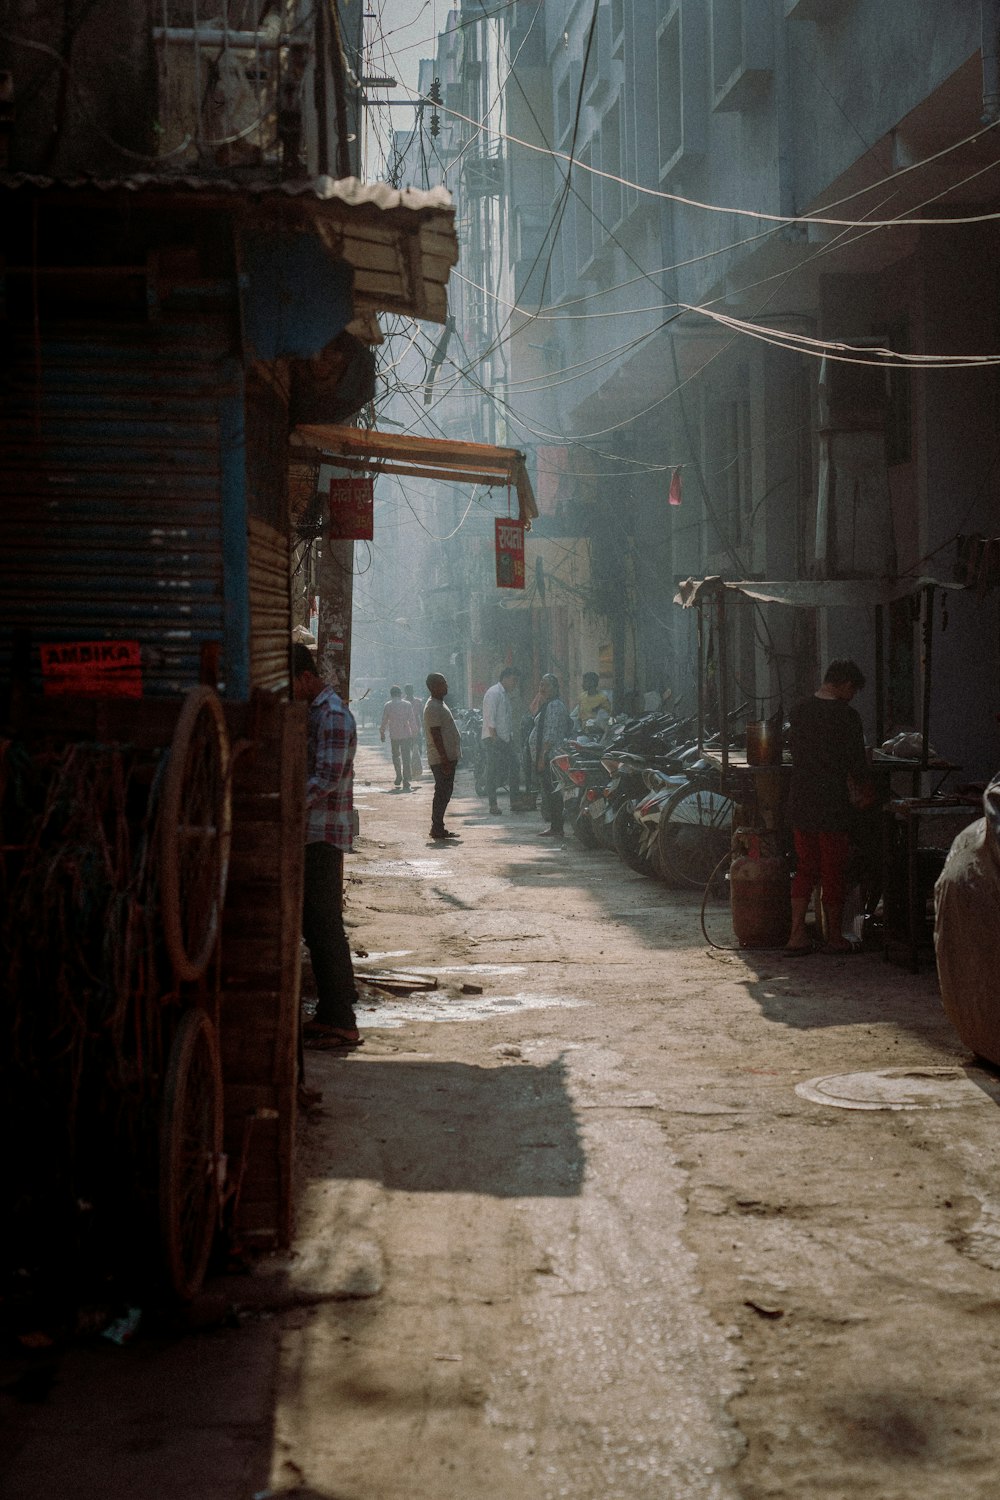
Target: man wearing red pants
<point x="827" y="744"/>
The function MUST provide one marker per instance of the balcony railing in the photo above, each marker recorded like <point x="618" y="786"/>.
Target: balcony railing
<point x="236" y="91"/>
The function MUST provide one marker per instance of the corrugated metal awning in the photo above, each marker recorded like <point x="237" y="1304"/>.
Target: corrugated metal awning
<point x="421" y="457"/>
<point x="401" y="244"/>
<point x="810" y="593"/>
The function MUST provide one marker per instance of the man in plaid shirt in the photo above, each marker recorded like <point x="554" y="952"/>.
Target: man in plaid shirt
<point x="329" y="831"/>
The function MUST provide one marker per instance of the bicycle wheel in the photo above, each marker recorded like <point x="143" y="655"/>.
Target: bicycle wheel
<point x="195" y="826"/>
<point x="190" y="1149"/>
<point x="694" y="833"/>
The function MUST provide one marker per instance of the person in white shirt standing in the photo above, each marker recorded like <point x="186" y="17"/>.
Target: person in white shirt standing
<point x="498" y="736"/>
<point x="397" y="717"/>
<point x="417" y="705"/>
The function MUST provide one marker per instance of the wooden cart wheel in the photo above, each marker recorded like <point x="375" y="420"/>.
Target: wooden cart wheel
<point x="195" y="826"/>
<point x="190" y="1152"/>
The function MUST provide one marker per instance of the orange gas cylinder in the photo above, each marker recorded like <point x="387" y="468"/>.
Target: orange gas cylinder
<point x="760" y="897"/>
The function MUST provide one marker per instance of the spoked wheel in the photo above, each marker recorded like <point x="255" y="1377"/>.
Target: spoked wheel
<point x="694" y="834"/>
<point x="195" y="825"/>
<point x="628" y="832"/>
<point x="190" y="1148"/>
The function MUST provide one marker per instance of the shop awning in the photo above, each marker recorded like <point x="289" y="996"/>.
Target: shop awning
<point x="420" y="457"/>
<point x="811" y="593"/>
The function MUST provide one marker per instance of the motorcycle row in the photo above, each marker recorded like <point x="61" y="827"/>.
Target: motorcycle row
<point x="642" y="787"/>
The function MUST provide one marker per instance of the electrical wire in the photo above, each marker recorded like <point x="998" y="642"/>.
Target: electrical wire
<point x="758" y="215"/>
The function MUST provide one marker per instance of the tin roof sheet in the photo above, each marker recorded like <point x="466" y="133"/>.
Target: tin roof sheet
<point x="401" y="243"/>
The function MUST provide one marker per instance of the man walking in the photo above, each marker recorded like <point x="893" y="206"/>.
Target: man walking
<point x="397" y="717"/>
<point x="417" y="707"/>
<point x="444" y="747"/>
<point x="498" y="734"/>
<point x="332" y="741"/>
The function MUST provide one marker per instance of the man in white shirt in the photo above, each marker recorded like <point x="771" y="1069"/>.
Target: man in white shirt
<point x="397" y="717"/>
<point x="498" y="736"/>
<point x="444" y="747"/>
<point x="417" y="705"/>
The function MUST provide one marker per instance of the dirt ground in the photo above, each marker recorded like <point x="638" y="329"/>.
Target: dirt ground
<point x="579" y="1234"/>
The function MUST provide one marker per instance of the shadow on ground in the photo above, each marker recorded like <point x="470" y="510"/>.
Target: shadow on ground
<point x="859" y="990"/>
<point x="399" y="1122"/>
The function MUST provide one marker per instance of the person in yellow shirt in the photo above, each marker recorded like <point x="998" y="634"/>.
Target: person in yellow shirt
<point x="591" y="701"/>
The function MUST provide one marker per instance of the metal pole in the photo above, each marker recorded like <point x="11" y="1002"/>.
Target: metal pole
<point x="925" y="707"/>
<point x="701" y="679"/>
<point x="199" y="86"/>
<point x="723" y="684"/>
<point x="879" y="674"/>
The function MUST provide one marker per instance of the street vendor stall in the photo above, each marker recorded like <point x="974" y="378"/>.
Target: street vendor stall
<point x="756" y="777"/>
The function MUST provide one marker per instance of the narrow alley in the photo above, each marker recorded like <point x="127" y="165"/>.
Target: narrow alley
<point x="574" y="1224"/>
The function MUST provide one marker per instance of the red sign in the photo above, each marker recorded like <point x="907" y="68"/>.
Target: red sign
<point x="510" y="553"/>
<point x="92" y="669"/>
<point x="352" y="510"/>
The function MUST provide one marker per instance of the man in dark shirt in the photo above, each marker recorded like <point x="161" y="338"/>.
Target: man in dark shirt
<point x="828" y="746"/>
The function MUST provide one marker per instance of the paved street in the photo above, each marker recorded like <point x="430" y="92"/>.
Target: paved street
<point x="576" y="1233"/>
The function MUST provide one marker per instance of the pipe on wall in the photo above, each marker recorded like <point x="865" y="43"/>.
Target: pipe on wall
<point x="989" y="11"/>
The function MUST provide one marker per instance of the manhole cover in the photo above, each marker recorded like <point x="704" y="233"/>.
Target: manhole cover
<point x="901" y="1088"/>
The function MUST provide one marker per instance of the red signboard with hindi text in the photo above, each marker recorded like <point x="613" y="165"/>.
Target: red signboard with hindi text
<point x="352" y="510"/>
<point x="510" y="553"/>
<point x="92" y="669"/>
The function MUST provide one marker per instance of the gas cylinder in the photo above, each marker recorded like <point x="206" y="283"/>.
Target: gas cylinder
<point x="760" y="895"/>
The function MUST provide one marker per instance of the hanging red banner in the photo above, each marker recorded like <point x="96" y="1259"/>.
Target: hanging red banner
<point x="510" y="553"/>
<point x="352" y="510"/>
<point x="92" y="669"/>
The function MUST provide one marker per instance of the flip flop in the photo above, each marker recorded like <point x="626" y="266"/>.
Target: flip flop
<point x="800" y="952"/>
<point x="324" y="1038"/>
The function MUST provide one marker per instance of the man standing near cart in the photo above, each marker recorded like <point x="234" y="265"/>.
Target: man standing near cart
<point x="332" y="742"/>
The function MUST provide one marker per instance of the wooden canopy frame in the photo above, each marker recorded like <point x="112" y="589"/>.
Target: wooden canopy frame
<point x="421" y="457"/>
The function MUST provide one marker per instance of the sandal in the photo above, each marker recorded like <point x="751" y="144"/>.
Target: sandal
<point x="800" y="952"/>
<point x="318" y="1035"/>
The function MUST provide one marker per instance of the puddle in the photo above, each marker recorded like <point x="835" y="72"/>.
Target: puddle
<point x="470" y="968"/>
<point x="436" y="1007"/>
<point x="426" y="869"/>
<point x="901" y="1088"/>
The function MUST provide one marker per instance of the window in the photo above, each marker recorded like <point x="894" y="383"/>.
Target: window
<point x="742" y="50"/>
<point x="611" y="161"/>
<point x="668" y="86"/>
<point x="681" y="88"/>
<point x="727" y="50"/>
<point x="584" y="211"/>
<point x="898" y="417"/>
